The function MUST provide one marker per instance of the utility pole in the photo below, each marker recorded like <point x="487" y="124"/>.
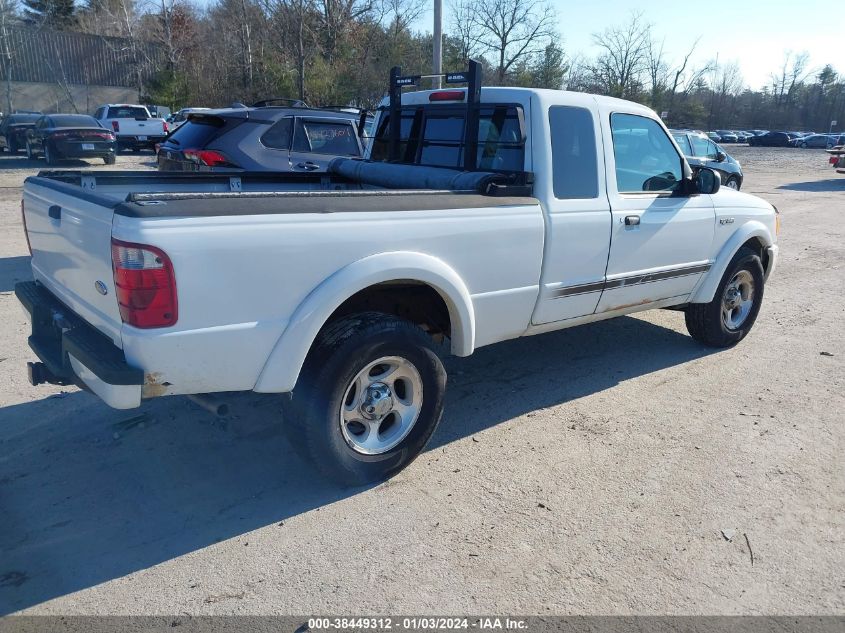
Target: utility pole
<point x="437" y="68"/>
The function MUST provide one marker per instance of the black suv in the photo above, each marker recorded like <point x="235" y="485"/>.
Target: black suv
<point x="264" y="138"/>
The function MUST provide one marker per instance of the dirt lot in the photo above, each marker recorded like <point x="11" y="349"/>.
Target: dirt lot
<point x="591" y="471"/>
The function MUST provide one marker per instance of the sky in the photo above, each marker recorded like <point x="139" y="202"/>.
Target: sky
<point x="754" y="33"/>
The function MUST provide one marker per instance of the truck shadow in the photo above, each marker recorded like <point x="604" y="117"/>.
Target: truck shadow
<point x="831" y="184"/>
<point x="12" y="270"/>
<point x="90" y="494"/>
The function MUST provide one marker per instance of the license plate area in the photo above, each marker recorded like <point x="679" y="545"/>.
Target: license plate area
<point x="142" y="138"/>
<point x="88" y="147"/>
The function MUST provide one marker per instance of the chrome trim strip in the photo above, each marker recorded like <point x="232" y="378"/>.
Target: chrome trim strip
<point x="634" y="280"/>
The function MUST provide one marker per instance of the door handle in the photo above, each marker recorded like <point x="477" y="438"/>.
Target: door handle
<point x="55" y="212"/>
<point x="632" y="220"/>
<point x="308" y="165"/>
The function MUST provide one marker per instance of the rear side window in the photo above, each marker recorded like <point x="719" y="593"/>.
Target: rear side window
<point x="196" y="133"/>
<point x="683" y="143"/>
<point x="278" y="136"/>
<point x="700" y="145"/>
<point x="646" y="160"/>
<point x="574" y="157"/>
<point x="127" y="112"/>
<point x="324" y="137"/>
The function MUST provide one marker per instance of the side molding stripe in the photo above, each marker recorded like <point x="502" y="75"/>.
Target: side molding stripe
<point x="634" y="280"/>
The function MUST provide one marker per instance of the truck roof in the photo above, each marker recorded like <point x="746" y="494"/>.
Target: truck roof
<point x="504" y="94"/>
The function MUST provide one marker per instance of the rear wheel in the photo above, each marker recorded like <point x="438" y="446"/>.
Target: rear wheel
<point x="803" y="146"/>
<point x="109" y="159"/>
<point x="368" y="399"/>
<point x="729" y="317"/>
<point x="733" y="183"/>
<point x="49" y="155"/>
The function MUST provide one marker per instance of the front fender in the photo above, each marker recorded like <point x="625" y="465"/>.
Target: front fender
<point x="284" y="363"/>
<point x="750" y="230"/>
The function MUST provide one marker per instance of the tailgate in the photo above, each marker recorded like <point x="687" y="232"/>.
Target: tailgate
<point x="69" y="230"/>
<point x="148" y="127"/>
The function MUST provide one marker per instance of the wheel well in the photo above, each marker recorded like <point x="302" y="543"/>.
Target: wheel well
<point x="758" y="247"/>
<point x="417" y="302"/>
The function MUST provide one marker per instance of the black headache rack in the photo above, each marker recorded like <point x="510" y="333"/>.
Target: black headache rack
<point x="510" y="182"/>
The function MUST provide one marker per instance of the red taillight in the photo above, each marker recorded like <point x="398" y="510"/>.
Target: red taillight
<point x="164" y="125"/>
<point x="106" y="136"/>
<point x="834" y="160"/>
<point x="447" y="95"/>
<point x="62" y="134"/>
<point x="208" y="157"/>
<point x="144" y="284"/>
<point x="25" y="232"/>
<point x="115" y="125"/>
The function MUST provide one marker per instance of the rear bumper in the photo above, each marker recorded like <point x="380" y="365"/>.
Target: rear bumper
<point x="74" y="352"/>
<point x="133" y="142"/>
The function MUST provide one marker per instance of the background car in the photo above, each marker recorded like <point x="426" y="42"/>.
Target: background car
<point x="726" y="136"/>
<point x="177" y="119"/>
<point x="703" y="152"/>
<point x="713" y="136"/>
<point x="13" y="130"/>
<point x="266" y="138"/>
<point x="771" y="139"/>
<point x="60" y="136"/>
<point x="812" y="141"/>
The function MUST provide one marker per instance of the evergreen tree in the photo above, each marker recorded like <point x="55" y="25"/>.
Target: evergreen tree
<point x="56" y="14"/>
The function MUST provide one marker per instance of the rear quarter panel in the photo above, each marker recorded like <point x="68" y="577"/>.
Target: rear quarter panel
<point x="240" y="278"/>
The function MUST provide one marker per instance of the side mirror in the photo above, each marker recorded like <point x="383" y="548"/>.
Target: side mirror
<point x="707" y="181"/>
<point x="721" y="157"/>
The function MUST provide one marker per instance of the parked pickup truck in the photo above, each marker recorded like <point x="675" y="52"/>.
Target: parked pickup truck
<point x="485" y="215"/>
<point x="133" y="126"/>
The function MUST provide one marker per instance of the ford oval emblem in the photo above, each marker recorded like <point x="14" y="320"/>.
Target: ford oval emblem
<point x="101" y="287"/>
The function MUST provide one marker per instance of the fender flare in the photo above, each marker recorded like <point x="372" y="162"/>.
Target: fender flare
<point x="282" y="367"/>
<point x="707" y="287"/>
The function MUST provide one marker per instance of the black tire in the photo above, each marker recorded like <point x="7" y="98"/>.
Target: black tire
<point x="30" y="155"/>
<point x="733" y="183"/>
<point x="13" y="146"/>
<point x="705" y="321"/>
<point x="312" y="412"/>
<point x="49" y="155"/>
<point x="109" y="159"/>
<point x="803" y="146"/>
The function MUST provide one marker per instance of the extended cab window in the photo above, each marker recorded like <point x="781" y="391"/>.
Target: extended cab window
<point x="575" y="165"/>
<point x="646" y="160"/>
<point x="323" y="137"/>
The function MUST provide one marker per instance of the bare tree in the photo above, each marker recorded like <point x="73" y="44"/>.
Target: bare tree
<point x="8" y="11"/>
<point x="624" y="58"/>
<point x="513" y="31"/>
<point x="462" y="29"/>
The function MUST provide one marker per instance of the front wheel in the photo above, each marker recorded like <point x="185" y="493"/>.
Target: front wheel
<point x="368" y="399"/>
<point x="729" y="317"/>
<point x="733" y="183"/>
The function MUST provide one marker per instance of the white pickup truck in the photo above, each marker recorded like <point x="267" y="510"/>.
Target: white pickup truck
<point x="133" y="126"/>
<point x="505" y="212"/>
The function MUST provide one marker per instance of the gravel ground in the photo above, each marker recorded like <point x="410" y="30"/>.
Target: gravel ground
<point x="598" y="470"/>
